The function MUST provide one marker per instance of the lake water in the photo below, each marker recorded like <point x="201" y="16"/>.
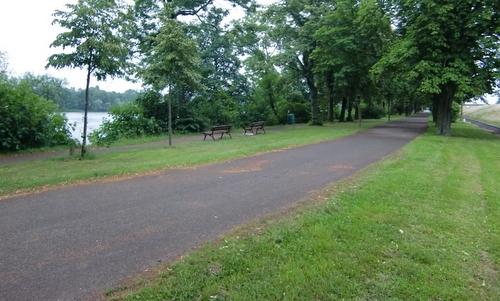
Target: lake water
<point x="75" y="119"/>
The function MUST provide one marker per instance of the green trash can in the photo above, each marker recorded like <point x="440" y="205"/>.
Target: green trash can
<point x="291" y="118"/>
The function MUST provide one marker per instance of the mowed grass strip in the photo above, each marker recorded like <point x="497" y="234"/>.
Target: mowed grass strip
<point x="30" y="175"/>
<point x="423" y="226"/>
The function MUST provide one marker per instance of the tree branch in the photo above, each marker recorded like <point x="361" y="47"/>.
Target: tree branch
<point x="191" y="12"/>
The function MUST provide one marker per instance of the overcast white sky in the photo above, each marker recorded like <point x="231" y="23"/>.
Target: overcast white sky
<point x="26" y="33"/>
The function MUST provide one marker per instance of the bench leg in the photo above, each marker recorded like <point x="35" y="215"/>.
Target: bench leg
<point x="230" y="135"/>
<point x="213" y="138"/>
<point x="205" y="137"/>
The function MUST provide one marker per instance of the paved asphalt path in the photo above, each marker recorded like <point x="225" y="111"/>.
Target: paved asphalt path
<point x="485" y="126"/>
<point x="73" y="243"/>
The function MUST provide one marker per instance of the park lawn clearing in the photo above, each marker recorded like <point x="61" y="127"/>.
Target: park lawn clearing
<point x="421" y="225"/>
<point x="34" y="175"/>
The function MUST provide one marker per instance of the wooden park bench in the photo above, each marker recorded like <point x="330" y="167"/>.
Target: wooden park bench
<point x="254" y="127"/>
<point x="218" y="130"/>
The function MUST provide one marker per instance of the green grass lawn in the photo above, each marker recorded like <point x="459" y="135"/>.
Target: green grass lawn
<point x="30" y="175"/>
<point x="485" y="113"/>
<point x="422" y="225"/>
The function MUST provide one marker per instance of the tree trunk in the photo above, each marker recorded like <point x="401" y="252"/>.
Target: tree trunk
<point x="445" y="100"/>
<point x="315" y="118"/>
<point x="169" y="116"/>
<point x="313" y="90"/>
<point x="356" y="112"/>
<point x="359" y="113"/>
<point x="86" y="109"/>
<point x="369" y="100"/>
<point x="342" y="109"/>
<point x="329" y="92"/>
<point x="275" y="112"/>
<point x="434" y="109"/>
<point x="271" y="99"/>
<point x="272" y="104"/>
<point x="349" y="109"/>
<point x="389" y="109"/>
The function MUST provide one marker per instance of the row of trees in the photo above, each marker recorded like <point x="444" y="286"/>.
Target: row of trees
<point x="302" y="56"/>
<point x="70" y="99"/>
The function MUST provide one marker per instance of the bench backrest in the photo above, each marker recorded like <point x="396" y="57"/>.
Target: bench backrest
<point x="257" y="123"/>
<point x="221" y="128"/>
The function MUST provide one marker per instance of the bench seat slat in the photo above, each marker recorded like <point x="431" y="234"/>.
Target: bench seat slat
<point x="218" y="129"/>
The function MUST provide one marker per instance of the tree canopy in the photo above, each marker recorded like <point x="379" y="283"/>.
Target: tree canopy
<point x="315" y="59"/>
<point x="95" y="42"/>
<point x="318" y="60"/>
<point x="447" y="50"/>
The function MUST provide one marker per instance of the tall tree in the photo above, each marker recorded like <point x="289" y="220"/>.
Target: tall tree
<point x="291" y="26"/>
<point x="92" y="42"/>
<point x="220" y="63"/>
<point x="172" y="63"/>
<point x="350" y="40"/>
<point x="220" y="66"/>
<point x="145" y="17"/>
<point x="450" y="48"/>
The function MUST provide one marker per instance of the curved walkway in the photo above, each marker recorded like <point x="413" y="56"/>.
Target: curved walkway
<point x="74" y="242"/>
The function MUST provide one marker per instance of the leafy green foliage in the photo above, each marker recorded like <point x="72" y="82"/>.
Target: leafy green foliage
<point x="95" y="42"/>
<point x="27" y="120"/>
<point x="372" y="112"/>
<point x="292" y="26"/>
<point x="71" y="99"/>
<point x="353" y="29"/>
<point x="92" y="38"/>
<point x="127" y="121"/>
<point x="173" y="60"/>
<point x="447" y="52"/>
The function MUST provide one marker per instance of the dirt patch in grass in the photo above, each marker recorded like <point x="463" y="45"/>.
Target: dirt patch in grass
<point x="252" y="166"/>
<point x="340" y="167"/>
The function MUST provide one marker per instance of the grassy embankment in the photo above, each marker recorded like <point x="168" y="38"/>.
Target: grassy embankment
<point x="422" y="226"/>
<point x="35" y="174"/>
<point x="486" y="113"/>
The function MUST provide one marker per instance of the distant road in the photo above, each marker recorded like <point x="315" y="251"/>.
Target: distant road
<point x="483" y="125"/>
<point x="74" y="242"/>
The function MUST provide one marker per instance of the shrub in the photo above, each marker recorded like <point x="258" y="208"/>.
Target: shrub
<point x="190" y="124"/>
<point x="297" y="105"/>
<point x="27" y="120"/>
<point x="372" y="112"/>
<point x="153" y="107"/>
<point x="127" y="121"/>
